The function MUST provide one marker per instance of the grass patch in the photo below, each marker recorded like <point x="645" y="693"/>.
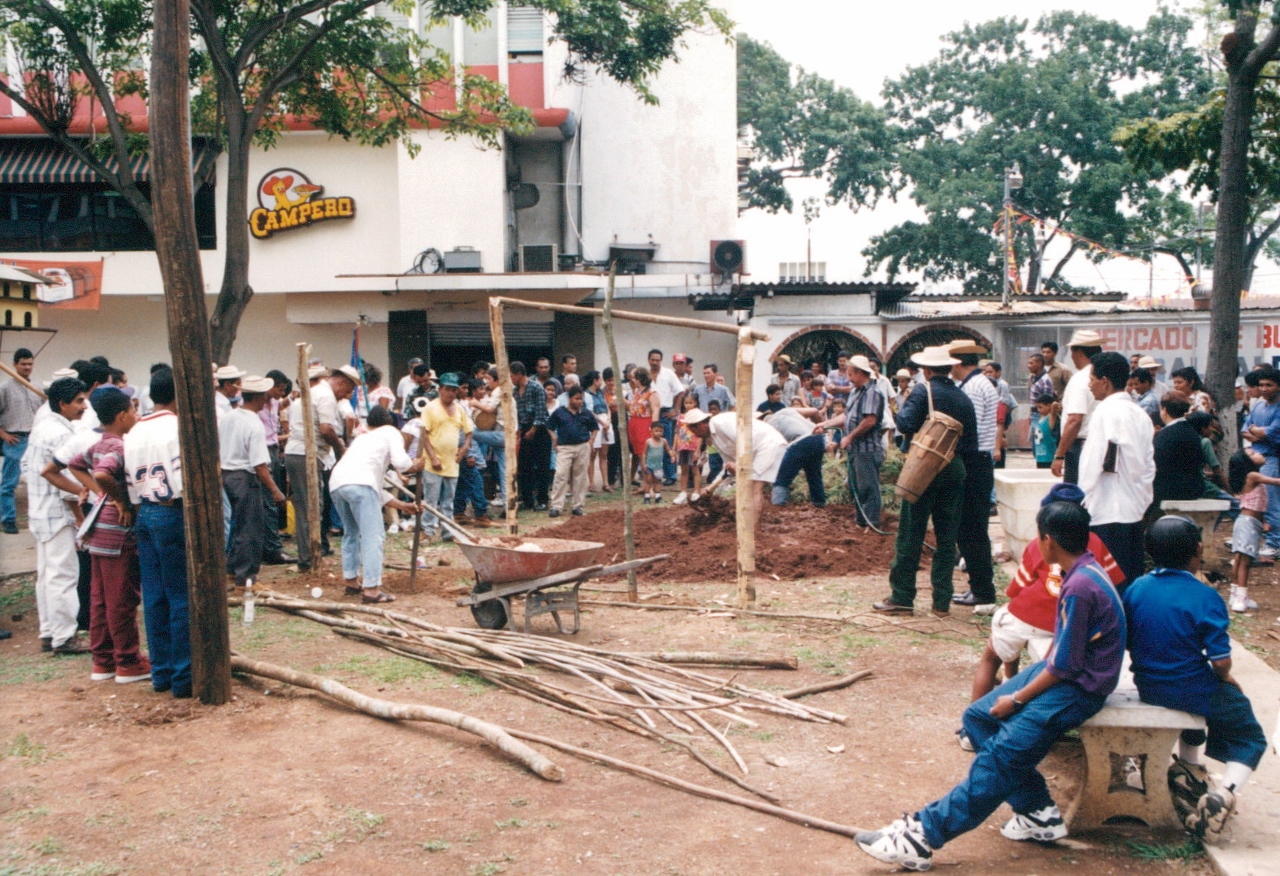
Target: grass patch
<point x="55" y="868"/>
<point x="22" y="596"/>
<point x="27" y="814"/>
<point x="473" y="684"/>
<point x="32" y="670"/>
<point x="385" y="670"/>
<point x="1187" y="851"/>
<point x="364" y="821"/>
<point x="47" y="846"/>
<point x="508" y="823"/>
<point x="33" y="753"/>
<point x="434" y="846"/>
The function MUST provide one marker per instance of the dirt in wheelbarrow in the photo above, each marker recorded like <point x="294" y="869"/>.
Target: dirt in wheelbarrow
<point x="793" y="542"/>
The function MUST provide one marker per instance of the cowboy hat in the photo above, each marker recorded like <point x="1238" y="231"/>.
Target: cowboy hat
<point x="1149" y="364"/>
<point x="317" y="370"/>
<point x="965" y="347"/>
<point x="783" y="357"/>
<point x="862" y="363"/>
<point x="228" y="372"/>
<point x="1085" y="338"/>
<point x="902" y="372"/>
<point x="935" y="357"/>
<point x="348" y="372"/>
<point x="255" y="384"/>
<point x="695" y="417"/>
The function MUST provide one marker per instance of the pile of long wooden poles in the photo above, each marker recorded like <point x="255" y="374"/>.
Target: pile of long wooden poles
<point x="639" y="693"/>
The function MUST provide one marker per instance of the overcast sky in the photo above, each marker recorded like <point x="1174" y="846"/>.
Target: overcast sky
<point x="862" y="45"/>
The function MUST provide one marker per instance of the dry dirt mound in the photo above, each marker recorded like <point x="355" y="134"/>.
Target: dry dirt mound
<point x="794" y="541"/>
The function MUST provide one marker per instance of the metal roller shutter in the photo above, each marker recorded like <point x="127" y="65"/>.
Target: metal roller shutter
<point x="476" y="334"/>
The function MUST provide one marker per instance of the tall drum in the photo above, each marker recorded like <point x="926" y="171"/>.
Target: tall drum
<point x="932" y="449"/>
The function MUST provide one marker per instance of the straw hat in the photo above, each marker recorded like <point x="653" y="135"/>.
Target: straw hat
<point x="1150" y="364"/>
<point x="696" y="416"/>
<point x="965" y="347"/>
<point x="348" y="372"/>
<point x="783" y="357"/>
<point x="902" y="372"/>
<point x="1085" y="338"/>
<point x="862" y="363"/>
<point x="255" y="384"/>
<point x="317" y="370"/>
<point x="934" y="357"/>
<point x="228" y="372"/>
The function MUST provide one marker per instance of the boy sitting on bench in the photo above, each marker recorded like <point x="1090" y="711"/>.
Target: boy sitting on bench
<point x="1182" y="660"/>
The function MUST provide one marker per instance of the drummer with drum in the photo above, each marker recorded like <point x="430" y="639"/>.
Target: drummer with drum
<point x="932" y="415"/>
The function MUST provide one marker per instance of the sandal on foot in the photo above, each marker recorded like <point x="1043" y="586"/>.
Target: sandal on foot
<point x="381" y="597"/>
<point x="352" y="591"/>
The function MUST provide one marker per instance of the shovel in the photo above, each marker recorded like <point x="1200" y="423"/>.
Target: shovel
<point x="457" y="531"/>
<point x="712" y="487"/>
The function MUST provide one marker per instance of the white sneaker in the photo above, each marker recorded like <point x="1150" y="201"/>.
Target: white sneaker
<point x="695" y="497"/>
<point x="1239" y="602"/>
<point x="984" y="609"/>
<point x="1044" y="826"/>
<point x="1269" y="552"/>
<point x="681" y="499"/>
<point x="393" y="529"/>
<point x="900" y="843"/>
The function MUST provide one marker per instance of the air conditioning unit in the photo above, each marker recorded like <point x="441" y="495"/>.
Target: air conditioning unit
<point x="728" y="257"/>
<point x="463" y="260"/>
<point x="539" y="258"/>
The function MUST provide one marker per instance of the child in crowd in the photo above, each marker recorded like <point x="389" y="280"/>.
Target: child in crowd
<point x="773" y="400"/>
<point x="1045" y="436"/>
<point x="656" y="451"/>
<point x="1181" y="659"/>
<point x="1014" y="726"/>
<point x="818" y="396"/>
<point x="116" y="588"/>
<point x="836" y="435"/>
<point x="688" y="448"/>
<point x="715" y="462"/>
<point x="1250" y="487"/>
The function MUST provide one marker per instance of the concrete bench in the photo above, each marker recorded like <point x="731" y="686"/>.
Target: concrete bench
<point x="1127" y="750"/>
<point x="1204" y="513"/>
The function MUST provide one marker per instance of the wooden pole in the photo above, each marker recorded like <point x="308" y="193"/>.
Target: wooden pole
<point x="178" y="255"/>
<point x="744" y="506"/>
<point x="312" y="535"/>
<point x="678" y="321"/>
<point x="22" y="381"/>
<point x="417" y="529"/>
<point x="623" y="438"/>
<point x="510" y="424"/>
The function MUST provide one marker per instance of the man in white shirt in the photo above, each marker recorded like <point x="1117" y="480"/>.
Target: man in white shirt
<point x="52" y="517"/>
<point x="669" y="389"/>
<point x="1078" y="402"/>
<point x="768" y="447"/>
<point x="407" y="386"/>
<point x="1117" y="464"/>
<point x="226" y="382"/>
<point x="246" y="476"/>
<point x="682" y="365"/>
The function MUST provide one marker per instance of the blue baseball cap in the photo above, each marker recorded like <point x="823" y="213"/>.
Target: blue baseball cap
<point x="1063" y="493"/>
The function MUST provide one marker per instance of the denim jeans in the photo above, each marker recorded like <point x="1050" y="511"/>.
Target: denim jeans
<point x="9" y="478"/>
<point x="162" y="554"/>
<point x="1006" y="755"/>
<point x="941" y="501"/>
<point x="1271" y="467"/>
<point x="470" y="490"/>
<point x="805" y="455"/>
<point x="360" y="509"/>
<point x="864" y="484"/>
<point x="437" y="491"/>
<point x="495" y="442"/>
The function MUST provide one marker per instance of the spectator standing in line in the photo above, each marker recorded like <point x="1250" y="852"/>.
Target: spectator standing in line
<point x="446" y="440"/>
<point x="682" y="365"/>
<point x="246" y="477"/>
<point x="325" y="392"/>
<point x="406" y="387"/>
<point x="839" y="384"/>
<point x="1262" y="429"/>
<point x="18" y="406"/>
<point x="973" y="538"/>
<point x="1141" y="391"/>
<point x="572" y="428"/>
<point x="568" y="366"/>
<point x="533" y="458"/>
<point x="1117" y="464"/>
<point x="1008" y="404"/>
<point x="669" y="389"/>
<point x="861" y="441"/>
<point x="1078" y="403"/>
<point x="1038" y="383"/>
<point x="1149" y="363"/>
<point x="712" y="390"/>
<point x="542" y="371"/>
<point x="788" y="382"/>
<point x="1057" y="373"/>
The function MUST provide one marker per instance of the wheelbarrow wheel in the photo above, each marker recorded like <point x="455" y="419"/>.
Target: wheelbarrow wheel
<point x="491" y="614"/>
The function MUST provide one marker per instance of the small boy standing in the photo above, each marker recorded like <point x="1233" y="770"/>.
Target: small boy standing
<point x="1044" y="431"/>
<point x="656" y="452"/>
<point x="1182" y="660"/>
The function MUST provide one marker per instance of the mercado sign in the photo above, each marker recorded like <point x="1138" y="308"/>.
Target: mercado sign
<point x="288" y="200"/>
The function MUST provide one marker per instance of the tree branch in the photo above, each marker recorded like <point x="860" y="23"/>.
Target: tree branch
<point x="1263" y="53"/>
<point x="206" y="17"/>
<point x="1182" y="260"/>
<point x="256" y="35"/>
<point x="1258" y="241"/>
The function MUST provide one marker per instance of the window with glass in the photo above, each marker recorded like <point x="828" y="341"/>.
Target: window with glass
<point x="86" y="218"/>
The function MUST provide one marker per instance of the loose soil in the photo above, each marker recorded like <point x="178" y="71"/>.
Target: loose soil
<point x="794" y="541"/>
<point x="100" y="778"/>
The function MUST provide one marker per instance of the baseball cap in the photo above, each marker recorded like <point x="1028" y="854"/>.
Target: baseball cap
<point x="1063" y="493"/>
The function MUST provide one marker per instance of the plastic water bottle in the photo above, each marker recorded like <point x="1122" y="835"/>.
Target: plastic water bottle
<point x="246" y="615"/>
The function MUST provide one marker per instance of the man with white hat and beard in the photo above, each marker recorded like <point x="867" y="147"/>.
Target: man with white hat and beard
<point x="1077" y="404"/>
<point x="973" y="538"/>
<point x="941" y="500"/>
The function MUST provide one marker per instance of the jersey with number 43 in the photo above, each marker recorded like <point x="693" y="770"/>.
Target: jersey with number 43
<point x="152" y="461"/>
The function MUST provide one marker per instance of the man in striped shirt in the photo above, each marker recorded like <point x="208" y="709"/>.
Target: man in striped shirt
<point x="973" y="539"/>
<point x="865" y="448"/>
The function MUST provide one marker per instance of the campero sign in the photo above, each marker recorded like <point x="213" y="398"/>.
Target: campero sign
<point x="288" y="200"/>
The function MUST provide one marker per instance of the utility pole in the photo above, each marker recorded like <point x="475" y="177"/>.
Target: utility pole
<point x="178" y="253"/>
<point x="1012" y="180"/>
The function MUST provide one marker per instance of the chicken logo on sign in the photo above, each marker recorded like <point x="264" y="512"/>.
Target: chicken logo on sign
<point x="288" y="200"/>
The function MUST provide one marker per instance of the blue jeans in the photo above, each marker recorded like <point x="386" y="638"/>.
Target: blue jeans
<point x="437" y="491"/>
<point x="1007" y="753"/>
<point x="668" y="432"/>
<point x="495" y="442"/>
<point x="360" y="509"/>
<point x="805" y="455"/>
<point x="1272" y="467"/>
<point x="162" y="555"/>
<point x="470" y="488"/>
<point x="10" y="477"/>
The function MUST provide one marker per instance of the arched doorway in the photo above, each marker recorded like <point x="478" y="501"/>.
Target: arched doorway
<point x="824" y="345"/>
<point x="929" y="336"/>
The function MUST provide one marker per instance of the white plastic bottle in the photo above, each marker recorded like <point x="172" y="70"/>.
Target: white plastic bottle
<point x="246" y="615"/>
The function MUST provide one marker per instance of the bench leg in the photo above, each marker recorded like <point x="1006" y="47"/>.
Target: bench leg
<point x="1126" y="774"/>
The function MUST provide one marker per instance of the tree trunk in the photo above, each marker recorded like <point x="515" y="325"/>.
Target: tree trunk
<point x="1033" y="269"/>
<point x="178" y="252"/>
<point x="1062" y="263"/>
<point x="233" y="297"/>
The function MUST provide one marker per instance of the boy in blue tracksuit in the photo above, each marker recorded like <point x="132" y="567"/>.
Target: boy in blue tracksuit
<point x="1182" y="660"/>
<point x="1015" y="726"/>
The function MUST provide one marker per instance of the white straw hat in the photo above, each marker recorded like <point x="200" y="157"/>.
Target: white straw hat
<point x="935" y="357"/>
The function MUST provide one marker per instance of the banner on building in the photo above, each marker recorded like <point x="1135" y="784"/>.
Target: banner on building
<point x="75" y="286"/>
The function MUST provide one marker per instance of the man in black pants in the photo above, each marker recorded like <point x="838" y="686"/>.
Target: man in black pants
<point x="533" y="463"/>
<point x="246" y="476"/>
<point x="973" y="538"/>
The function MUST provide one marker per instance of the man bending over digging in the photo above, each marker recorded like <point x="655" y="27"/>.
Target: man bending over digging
<point x="1014" y="726"/>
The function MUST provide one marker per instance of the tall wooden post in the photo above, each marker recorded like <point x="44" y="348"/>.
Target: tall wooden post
<point x="744" y="506"/>
<point x="178" y="255"/>
<point x="623" y="439"/>
<point x="510" y="424"/>
<point x="312" y="535"/>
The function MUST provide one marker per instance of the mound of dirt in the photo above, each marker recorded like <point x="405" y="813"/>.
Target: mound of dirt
<point x="794" y="541"/>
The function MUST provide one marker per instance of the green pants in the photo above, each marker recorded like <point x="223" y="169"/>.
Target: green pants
<point x="942" y="501"/>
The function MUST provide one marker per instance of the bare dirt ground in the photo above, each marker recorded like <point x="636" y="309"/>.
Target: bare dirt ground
<point x="100" y="778"/>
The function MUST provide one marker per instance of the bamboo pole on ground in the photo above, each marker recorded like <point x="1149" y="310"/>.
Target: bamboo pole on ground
<point x="744" y="505"/>
<point x="496" y="736"/>
<point x="510" y="423"/>
<point x="23" y="381"/>
<point x="312" y="535"/>
<point x="623" y="438"/>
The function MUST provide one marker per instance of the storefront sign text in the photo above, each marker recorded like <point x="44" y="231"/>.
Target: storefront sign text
<point x="289" y="200"/>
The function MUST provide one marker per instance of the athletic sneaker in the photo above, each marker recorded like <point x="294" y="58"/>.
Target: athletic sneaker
<point x="695" y="497"/>
<point x="393" y="529"/>
<point x="1211" y="815"/>
<point x="680" y="499"/>
<point x="900" y="843"/>
<point x="647" y="499"/>
<point x="101" y="674"/>
<point x="1044" y="826"/>
<point x="1188" y="782"/>
<point x="1269" y="552"/>
<point x="1240" y="602"/>
<point x="966" y="744"/>
<point x="130" y="674"/>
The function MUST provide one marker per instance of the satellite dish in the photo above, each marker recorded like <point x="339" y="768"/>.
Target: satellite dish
<point x="524" y="196"/>
<point x="727" y="257"/>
